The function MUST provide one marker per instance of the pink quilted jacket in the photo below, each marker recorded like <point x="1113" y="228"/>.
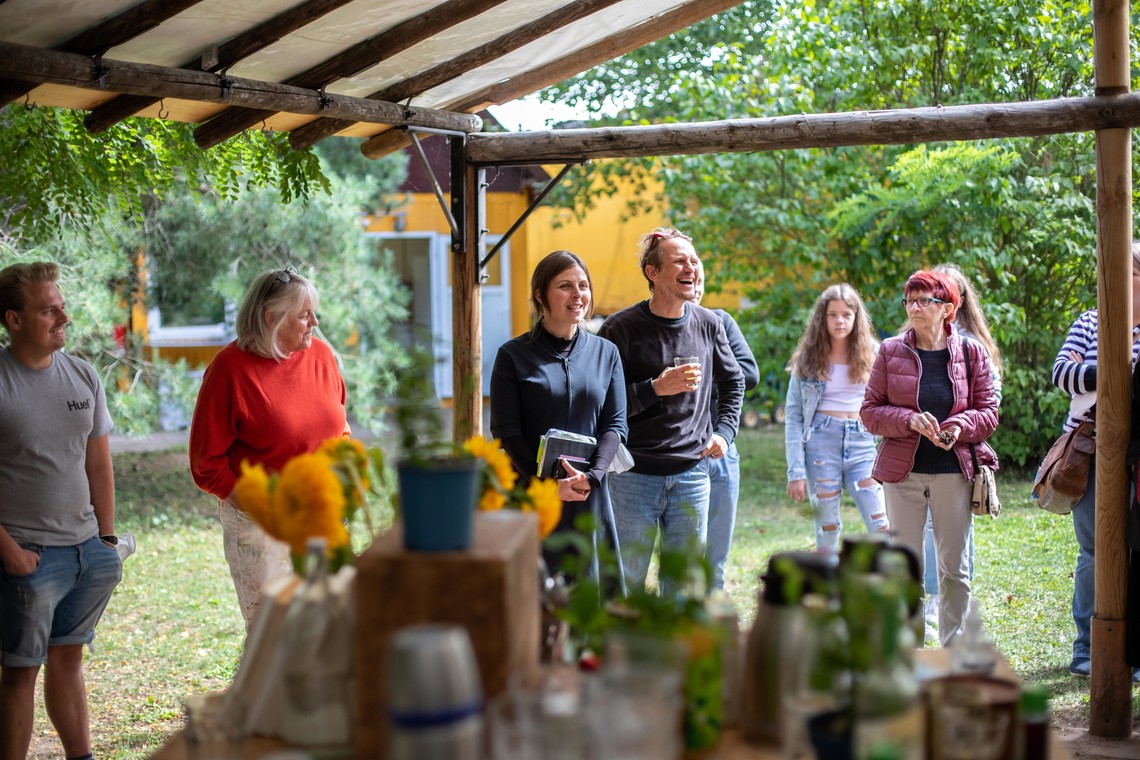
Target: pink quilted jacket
<point x="892" y="398"/>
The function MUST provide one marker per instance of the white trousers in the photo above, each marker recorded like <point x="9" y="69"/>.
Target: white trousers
<point x="254" y="558"/>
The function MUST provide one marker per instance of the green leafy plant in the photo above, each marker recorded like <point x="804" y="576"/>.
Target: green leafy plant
<point x="417" y="413"/>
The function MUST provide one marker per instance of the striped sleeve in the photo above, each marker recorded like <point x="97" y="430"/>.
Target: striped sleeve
<point x="1077" y="376"/>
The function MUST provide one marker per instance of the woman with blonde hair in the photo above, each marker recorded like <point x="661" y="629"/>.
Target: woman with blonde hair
<point x="270" y="395"/>
<point x="825" y="441"/>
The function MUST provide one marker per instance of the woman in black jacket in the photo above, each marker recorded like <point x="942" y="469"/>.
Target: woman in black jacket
<point x="559" y="375"/>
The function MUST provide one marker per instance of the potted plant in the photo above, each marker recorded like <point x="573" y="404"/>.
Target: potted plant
<point x="438" y="483"/>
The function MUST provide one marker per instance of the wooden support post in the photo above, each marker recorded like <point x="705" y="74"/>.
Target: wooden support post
<point x="467" y="182"/>
<point x="1111" y="687"/>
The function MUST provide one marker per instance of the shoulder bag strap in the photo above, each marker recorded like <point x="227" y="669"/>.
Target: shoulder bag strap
<point x="969" y="391"/>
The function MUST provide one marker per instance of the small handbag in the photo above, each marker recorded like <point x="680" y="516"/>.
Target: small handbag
<point x="1063" y="476"/>
<point x="984" y="498"/>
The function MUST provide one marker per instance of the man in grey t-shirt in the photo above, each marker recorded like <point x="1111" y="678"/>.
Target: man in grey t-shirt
<point x="57" y="513"/>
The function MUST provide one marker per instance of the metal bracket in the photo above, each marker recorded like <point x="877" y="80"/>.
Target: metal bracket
<point x="225" y="83"/>
<point x="434" y="183"/>
<point x="99" y="72"/>
<point x="529" y="210"/>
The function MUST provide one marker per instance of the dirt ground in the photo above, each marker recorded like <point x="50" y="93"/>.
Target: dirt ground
<point x="1081" y="744"/>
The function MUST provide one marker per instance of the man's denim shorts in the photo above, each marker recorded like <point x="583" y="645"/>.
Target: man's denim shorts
<point x="59" y="603"/>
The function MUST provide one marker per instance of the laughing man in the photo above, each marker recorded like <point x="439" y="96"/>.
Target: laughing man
<point x="673" y="429"/>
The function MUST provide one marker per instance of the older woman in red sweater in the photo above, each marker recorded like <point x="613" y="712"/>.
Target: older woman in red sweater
<point x="273" y="393"/>
<point x="931" y="404"/>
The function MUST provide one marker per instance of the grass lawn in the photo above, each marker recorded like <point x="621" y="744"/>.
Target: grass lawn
<point x="173" y="627"/>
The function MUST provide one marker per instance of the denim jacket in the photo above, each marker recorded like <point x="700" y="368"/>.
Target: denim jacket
<point x="804" y="395"/>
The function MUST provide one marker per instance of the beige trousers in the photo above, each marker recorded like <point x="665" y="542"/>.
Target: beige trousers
<point x="947" y="497"/>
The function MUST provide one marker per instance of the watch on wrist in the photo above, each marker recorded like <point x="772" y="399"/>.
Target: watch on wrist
<point x="110" y="538"/>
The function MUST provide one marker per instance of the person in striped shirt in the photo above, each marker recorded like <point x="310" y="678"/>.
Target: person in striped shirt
<point x="1075" y="371"/>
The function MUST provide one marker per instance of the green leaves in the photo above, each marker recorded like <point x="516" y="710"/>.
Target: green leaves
<point x="1017" y="215"/>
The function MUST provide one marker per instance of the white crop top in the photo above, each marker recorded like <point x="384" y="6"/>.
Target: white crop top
<point x="840" y="394"/>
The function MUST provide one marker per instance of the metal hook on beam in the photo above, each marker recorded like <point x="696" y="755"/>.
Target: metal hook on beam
<point x="99" y="72"/>
<point x="225" y="84"/>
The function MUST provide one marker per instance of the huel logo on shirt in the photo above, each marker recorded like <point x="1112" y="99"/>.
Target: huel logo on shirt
<point x="75" y="406"/>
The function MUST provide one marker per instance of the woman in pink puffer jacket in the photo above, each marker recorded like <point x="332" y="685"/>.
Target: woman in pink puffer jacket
<point x="929" y="411"/>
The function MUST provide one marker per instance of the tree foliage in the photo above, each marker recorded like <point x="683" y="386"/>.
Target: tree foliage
<point x="208" y="221"/>
<point x="1017" y="215"/>
<point x="205" y="247"/>
<point x="56" y="171"/>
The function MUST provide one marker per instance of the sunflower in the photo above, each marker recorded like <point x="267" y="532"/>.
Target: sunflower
<point x="309" y="501"/>
<point x="350" y="459"/>
<point x="252" y="493"/>
<point x="499" y="477"/>
<point x="542" y="498"/>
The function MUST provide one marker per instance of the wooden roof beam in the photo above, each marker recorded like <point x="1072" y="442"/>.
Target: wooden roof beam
<point x="315" y="131"/>
<point x="36" y="65"/>
<point x="357" y="58"/>
<point x="113" y="111"/>
<point x="103" y="36"/>
<point x="891" y="127"/>
<point x="648" y="31"/>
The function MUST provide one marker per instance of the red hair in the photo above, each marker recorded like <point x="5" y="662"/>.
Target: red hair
<point x="937" y="284"/>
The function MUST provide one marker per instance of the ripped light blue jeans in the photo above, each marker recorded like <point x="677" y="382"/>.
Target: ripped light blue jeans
<point x="841" y="453"/>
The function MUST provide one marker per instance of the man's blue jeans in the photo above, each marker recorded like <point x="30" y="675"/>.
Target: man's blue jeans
<point x="675" y="505"/>
<point x="724" y="493"/>
<point x="1084" y="578"/>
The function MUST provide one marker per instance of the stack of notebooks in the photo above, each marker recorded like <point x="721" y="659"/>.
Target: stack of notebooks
<point x="557" y="445"/>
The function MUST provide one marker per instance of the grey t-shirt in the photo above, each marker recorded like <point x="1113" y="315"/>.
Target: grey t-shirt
<point x="47" y="417"/>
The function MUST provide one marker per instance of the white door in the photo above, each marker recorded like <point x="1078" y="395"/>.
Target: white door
<point x="422" y="260"/>
<point x="496" y="302"/>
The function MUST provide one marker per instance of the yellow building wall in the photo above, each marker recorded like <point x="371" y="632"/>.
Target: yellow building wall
<point x="607" y="240"/>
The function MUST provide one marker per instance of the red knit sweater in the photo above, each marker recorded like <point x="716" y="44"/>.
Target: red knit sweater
<point x="264" y="411"/>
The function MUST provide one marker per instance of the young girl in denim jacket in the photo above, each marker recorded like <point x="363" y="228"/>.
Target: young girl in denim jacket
<point x="826" y="444"/>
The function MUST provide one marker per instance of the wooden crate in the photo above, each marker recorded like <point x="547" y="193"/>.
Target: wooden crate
<point x="491" y="590"/>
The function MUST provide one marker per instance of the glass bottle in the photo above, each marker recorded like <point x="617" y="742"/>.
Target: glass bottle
<point x="902" y="569"/>
<point x="1034" y="740"/>
<point x="886" y="695"/>
<point x="772" y="644"/>
<point x="822" y="681"/>
<point x="971" y="650"/>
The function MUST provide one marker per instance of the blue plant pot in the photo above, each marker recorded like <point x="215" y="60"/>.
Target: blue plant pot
<point x="437" y="503"/>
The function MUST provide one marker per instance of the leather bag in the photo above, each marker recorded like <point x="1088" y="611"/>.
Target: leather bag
<point x="1063" y="475"/>
<point x="984" y="497"/>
